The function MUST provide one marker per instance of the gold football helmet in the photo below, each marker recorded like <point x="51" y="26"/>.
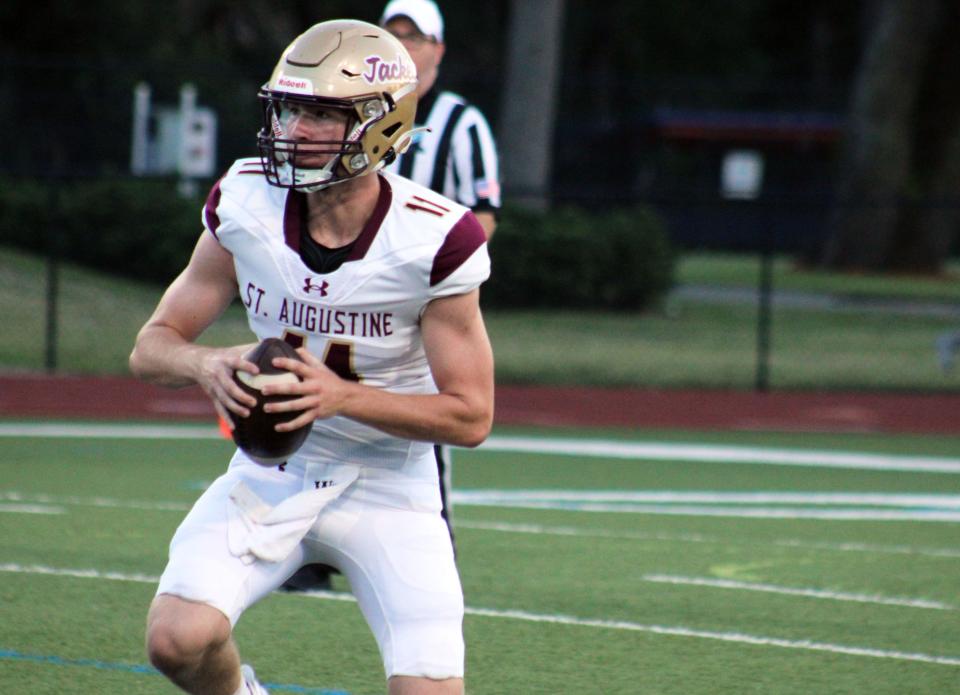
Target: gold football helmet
<point x="346" y="65"/>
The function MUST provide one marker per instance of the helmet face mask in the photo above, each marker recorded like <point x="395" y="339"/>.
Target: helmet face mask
<point x="347" y="68"/>
<point x="292" y="162"/>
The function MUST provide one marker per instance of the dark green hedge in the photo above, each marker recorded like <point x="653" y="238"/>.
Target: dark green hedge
<point x="137" y="228"/>
<point x="621" y="259"/>
<point x="144" y="229"/>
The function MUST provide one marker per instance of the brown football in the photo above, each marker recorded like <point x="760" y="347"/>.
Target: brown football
<point x="255" y="434"/>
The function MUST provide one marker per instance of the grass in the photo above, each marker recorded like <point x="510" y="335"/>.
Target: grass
<point x="571" y="601"/>
<point x="686" y="344"/>
<point x="714" y="346"/>
<point x="742" y="270"/>
<point x="98" y="317"/>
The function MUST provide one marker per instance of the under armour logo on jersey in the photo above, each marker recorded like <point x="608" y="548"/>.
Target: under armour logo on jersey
<point x="309" y="286"/>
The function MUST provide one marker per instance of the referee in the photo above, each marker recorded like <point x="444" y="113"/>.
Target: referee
<point x="457" y="157"/>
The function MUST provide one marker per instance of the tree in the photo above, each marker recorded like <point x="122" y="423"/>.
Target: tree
<point x="900" y="174"/>
<point x="529" y="102"/>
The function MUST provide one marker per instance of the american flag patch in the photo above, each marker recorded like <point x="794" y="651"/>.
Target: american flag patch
<point x="486" y="189"/>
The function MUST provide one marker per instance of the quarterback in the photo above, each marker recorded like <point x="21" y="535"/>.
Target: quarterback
<point x="375" y="279"/>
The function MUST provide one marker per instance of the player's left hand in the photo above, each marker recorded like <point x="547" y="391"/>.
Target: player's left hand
<point x="320" y="390"/>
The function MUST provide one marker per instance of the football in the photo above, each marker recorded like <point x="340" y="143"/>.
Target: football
<point x="255" y="434"/>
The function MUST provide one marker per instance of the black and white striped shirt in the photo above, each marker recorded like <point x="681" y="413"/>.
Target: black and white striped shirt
<point x="457" y="157"/>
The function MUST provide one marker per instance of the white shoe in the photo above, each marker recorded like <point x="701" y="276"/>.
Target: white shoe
<point x="250" y="680"/>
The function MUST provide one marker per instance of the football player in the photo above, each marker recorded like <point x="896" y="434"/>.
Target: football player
<point x="454" y="154"/>
<point x="376" y="280"/>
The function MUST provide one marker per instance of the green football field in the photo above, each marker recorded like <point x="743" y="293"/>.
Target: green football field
<point x="593" y="562"/>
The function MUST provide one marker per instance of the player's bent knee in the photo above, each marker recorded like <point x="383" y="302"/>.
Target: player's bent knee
<point x="180" y="632"/>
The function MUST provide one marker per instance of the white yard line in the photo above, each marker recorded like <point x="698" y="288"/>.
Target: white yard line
<point x="736" y="637"/>
<point x="31" y="509"/>
<point x="778" y="505"/>
<point x="751" y="512"/>
<point x="669" y="451"/>
<point x="928" y="508"/>
<point x="16" y="568"/>
<point x="575" y="531"/>
<point x="675" y="631"/>
<point x="56" y="430"/>
<point x="641" y="451"/>
<point x="105" y="502"/>
<point x="792" y="591"/>
<point x="559" y="497"/>
<point x="44" y="502"/>
<point x="881" y="499"/>
<point x="825" y="514"/>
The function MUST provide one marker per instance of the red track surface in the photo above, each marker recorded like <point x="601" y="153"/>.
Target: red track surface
<point x="63" y="397"/>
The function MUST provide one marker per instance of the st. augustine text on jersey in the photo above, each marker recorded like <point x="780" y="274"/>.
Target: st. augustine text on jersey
<point x="319" y="319"/>
<point x="330" y="321"/>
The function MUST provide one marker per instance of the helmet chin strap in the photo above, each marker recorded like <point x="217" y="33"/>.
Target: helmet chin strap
<point x="403" y="144"/>
<point x="321" y="177"/>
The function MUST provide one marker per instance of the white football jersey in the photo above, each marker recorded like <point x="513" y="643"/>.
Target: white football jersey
<point x="362" y="319"/>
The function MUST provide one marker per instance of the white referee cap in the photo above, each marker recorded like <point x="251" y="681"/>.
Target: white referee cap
<point x="423" y="13"/>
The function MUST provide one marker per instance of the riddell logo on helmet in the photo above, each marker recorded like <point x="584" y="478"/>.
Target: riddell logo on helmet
<point x="297" y="85"/>
<point x="388" y="70"/>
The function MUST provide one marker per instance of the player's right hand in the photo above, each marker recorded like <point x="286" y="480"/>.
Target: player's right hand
<point x="215" y="377"/>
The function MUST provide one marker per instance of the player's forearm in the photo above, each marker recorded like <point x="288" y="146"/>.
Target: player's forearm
<point x="162" y="356"/>
<point x="442" y="418"/>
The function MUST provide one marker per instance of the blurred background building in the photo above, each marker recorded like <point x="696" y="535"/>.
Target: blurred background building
<point x="649" y="97"/>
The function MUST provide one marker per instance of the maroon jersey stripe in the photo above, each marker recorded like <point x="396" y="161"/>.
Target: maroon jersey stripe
<point x="414" y="206"/>
<point x="210" y="209"/>
<point x="462" y="240"/>
<point x="370" y="230"/>
<point x="294" y="212"/>
<point x="431" y="202"/>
